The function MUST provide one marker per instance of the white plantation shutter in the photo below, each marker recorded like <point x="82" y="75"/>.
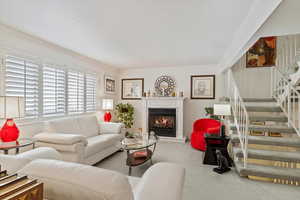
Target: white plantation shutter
<point x="75" y="92"/>
<point x="54" y="98"/>
<point x="22" y="79"/>
<point x="90" y="92"/>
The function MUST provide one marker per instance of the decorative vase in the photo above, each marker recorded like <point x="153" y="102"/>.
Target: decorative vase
<point x="107" y="116"/>
<point x="9" y="131"/>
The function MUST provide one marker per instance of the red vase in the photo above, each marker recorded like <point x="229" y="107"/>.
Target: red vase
<point x="107" y="116"/>
<point x="9" y="131"/>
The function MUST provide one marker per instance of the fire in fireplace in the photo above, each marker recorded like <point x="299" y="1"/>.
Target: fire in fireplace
<point x="162" y="121"/>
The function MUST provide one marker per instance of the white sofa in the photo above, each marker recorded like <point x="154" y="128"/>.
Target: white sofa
<point x="81" y="139"/>
<point x="66" y="180"/>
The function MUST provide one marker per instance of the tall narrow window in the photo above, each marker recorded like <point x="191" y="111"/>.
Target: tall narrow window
<point x="22" y="79"/>
<point x="75" y="92"/>
<point x="54" y="99"/>
<point x="90" y="92"/>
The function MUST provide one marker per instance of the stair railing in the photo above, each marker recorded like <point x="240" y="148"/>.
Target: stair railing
<point x="240" y="114"/>
<point x="287" y="98"/>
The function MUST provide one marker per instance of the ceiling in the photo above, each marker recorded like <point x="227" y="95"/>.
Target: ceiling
<point x="133" y="33"/>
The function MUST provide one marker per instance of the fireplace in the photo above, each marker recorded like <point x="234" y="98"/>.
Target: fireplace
<point x="162" y="121"/>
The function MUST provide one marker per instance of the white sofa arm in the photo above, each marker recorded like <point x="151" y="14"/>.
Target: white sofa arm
<point x="13" y="163"/>
<point x="156" y="181"/>
<point x="110" y="127"/>
<point x="60" y="138"/>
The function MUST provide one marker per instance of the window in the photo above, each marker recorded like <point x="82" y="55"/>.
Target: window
<point x="49" y="90"/>
<point x="90" y="93"/>
<point x="54" y="98"/>
<point x="22" y="79"/>
<point x="75" y="92"/>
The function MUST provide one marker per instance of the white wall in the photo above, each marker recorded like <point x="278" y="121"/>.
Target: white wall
<point x="193" y="109"/>
<point x="20" y="44"/>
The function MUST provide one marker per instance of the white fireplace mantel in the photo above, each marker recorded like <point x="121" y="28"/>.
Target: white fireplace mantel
<point x="166" y="102"/>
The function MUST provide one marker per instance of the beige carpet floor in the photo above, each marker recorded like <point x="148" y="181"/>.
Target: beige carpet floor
<point x="201" y="182"/>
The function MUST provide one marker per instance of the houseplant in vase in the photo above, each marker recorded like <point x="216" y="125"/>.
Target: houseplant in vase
<point x="124" y="113"/>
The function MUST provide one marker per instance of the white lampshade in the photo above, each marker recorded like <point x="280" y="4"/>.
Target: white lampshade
<point x="107" y="104"/>
<point x="11" y="107"/>
<point x="222" y="109"/>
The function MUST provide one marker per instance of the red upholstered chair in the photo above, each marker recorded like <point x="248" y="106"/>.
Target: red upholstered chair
<point x="201" y="127"/>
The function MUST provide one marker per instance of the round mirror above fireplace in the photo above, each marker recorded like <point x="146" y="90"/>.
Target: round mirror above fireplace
<point x="165" y="85"/>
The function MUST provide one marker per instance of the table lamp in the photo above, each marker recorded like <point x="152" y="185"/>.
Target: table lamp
<point x="222" y="110"/>
<point x="107" y="105"/>
<point x="10" y="108"/>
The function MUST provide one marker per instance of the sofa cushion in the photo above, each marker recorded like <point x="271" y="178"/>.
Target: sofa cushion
<point x="66" y="180"/>
<point x="110" y="127"/>
<point x="88" y="125"/>
<point x="100" y="142"/>
<point x="68" y="126"/>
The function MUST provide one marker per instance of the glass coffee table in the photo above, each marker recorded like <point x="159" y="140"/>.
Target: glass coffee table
<point x="139" y="151"/>
<point x="24" y="142"/>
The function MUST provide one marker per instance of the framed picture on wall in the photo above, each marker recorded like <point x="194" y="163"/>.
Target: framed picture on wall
<point x="262" y="53"/>
<point x="203" y="87"/>
<point x="132" y="89"/>
<point x="109" y="85"/>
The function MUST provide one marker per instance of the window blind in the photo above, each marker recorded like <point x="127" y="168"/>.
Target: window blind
<point x="22" y="79"/>
<point x="90" y="92"/>
<point x="75" y="92"/>
<point x="54" y="98"/>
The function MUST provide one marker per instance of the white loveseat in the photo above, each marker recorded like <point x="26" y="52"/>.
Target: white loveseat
<point x="81" y="139"/>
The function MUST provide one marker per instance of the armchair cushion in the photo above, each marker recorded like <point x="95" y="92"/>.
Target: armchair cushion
<point x="156" y="182"/>
<point x="60" y="138"/>
<point x="110" y="127"/>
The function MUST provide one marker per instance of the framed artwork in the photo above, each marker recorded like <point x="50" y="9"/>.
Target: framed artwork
<point x="262" y="53"/>
<point x="109" y="85"/>
<point x="132" y="89"/>
<point x="203" y="87"/>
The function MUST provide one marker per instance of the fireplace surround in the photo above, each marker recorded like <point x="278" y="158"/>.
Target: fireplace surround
<point x="164" y="116"/>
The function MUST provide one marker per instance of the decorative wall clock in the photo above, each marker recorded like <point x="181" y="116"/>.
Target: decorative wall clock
<point x="165" y="85"/>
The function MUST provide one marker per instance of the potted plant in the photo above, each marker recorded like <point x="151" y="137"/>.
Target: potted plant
<point x="124" y="113"/>
<point x="210" y="112"/>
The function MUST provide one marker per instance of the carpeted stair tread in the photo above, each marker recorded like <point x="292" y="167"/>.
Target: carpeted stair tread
<point x="268" y="128"/>
<point x="265" y="140"/>
<point x="292" y="174"/>
<point x="263" y="109"/>
<point x="269" y="155"/>
<point x="259" y="100"/>
<point x="266" y="118"/>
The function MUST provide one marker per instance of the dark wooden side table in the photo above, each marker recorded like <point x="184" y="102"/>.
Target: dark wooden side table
<point x="213" y="143"/>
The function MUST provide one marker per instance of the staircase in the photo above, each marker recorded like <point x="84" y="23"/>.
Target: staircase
<point x="270" y="158"/>
<point x="265" y="133"/>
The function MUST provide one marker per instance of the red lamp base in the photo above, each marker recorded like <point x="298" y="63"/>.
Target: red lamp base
<point x="107" y="116"/>
<point x="9" y="131"/>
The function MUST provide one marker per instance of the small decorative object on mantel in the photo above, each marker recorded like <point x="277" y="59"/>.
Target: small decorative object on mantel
<point x="132" y="89"/>
<point x="181" y="94"/>
<point x="165" y="85"/>
<point x="262" y="53"/>
<point x="203" y="87"/>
